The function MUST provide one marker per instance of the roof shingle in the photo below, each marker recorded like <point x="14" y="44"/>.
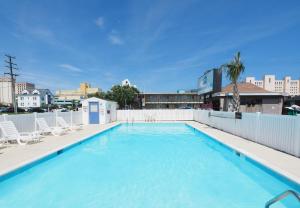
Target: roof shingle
<point x="244" y="87"/>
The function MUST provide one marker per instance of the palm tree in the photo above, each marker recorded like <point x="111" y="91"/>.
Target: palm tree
<point x="233" y="71"/>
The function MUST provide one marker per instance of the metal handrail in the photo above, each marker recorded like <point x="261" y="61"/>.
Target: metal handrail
<point x="282" y="196"/>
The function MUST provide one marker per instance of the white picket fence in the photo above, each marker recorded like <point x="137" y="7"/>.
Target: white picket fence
<point x="276" y="131"/>
<point x="279" y="132"/>
<point x="26" y="122"/>
<point x="155" y="115"/>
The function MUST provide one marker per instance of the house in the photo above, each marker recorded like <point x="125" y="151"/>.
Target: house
<point x="252" y="99"/>
<point x="35" y="98"/>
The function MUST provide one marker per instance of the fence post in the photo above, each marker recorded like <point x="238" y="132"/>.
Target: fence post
<point x="35" y="117"/>
<point x="257" y="126"/>
<point x="56" y="117"/>
<point x="71" y="117"/>
<point x="4" y="117"/>
<point x="297" y="136"/>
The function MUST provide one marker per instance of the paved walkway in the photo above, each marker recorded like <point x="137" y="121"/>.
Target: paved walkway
<point x="15" y="156"/>
<point x="280" y="162"/>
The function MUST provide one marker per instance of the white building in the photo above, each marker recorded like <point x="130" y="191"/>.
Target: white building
<point x="269" y="82"/>
<point x="5" y="91"/>
<point x="21" y="86"/>
<point x="34" y="99"/>
<point x="126" y="82"/>
<point x="98" y="111"/>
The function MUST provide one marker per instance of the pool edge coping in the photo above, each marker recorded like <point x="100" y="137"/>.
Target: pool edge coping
<point x="260" y="161"/>
<point x="11" y="171"/>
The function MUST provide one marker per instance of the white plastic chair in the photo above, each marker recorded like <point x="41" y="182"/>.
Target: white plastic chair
<point x="62" y="123"/>
<point x="11" y="134"/>
<point x="44" y="128"/>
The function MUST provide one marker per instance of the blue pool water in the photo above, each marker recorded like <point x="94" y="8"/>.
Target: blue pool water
<point x="147" y="166"/>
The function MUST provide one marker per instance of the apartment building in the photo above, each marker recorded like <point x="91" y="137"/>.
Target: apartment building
<point x="269" y="82"/>
<point x="21" y="86"/>
<point x="35" y="98"/>
<point x="5" y="91"/>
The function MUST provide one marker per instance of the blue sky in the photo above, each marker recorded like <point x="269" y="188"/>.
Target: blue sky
<point x="159" y="45"/>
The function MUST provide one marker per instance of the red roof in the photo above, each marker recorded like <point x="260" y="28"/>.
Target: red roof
<point x="244" y="87"/>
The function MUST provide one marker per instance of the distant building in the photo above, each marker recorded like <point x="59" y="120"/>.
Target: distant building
<point x="84" y="90"/>
<point x="126" y="82"/>
<point x="170" y="100"/>
<point x="35" y="98"/>
<point x="21" y="86"/>
<point x="252" y="99"/>
<point x="5" y="91"/>
<point x="269" y="82"/>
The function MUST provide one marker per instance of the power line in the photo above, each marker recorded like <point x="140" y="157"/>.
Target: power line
<point x="11" y="67"/>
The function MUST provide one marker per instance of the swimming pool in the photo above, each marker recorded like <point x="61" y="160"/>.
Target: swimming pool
<point x="146" y="165"/>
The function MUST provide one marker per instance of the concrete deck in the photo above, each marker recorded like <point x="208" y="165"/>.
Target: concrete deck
<point x="15" y="156"/>
<point x="285" y="164"/>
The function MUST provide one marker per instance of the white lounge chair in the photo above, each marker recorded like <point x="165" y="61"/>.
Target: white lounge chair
<point x="11" y="134"/>
<point x="62" y="123"/>
<point x="45" y="129"/>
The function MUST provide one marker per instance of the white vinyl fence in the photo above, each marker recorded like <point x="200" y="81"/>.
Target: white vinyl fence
<point x="155" y="115"/>
<point x="280" y="132"/>
<point x="276" y="131"/>
<point x="26" y="122"/>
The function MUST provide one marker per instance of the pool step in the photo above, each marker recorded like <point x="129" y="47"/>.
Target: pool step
<point x="281" y="196"/>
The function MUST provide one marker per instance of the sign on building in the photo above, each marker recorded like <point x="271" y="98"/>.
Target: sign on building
<point x="210" y="82"/>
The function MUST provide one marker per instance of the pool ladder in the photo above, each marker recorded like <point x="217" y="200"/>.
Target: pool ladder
<point x="281" y="196"/>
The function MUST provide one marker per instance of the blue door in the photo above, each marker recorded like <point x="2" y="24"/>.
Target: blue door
<point x="94" y="112"/>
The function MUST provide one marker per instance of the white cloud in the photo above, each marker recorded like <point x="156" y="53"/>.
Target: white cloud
<point x="100" y="22"/>
<point x="70" y="68"/>
<point x="115" y="39"/>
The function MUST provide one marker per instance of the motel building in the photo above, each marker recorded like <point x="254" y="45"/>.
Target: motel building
<point x="170" y="100"/>
<point x="252" y="99"/>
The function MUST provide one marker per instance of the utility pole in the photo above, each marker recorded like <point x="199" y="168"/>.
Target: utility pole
<point x="11" y="67"/>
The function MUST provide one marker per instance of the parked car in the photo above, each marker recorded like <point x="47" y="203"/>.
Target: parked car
<point x="63" y="110"/>
<point x="185" y="107"/>
<point x="11" y="110"/>
<point x="36" y="110"/>
<point x="3" y="109"/>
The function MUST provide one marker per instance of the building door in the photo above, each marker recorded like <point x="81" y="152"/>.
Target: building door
<point x="93" y="112"/>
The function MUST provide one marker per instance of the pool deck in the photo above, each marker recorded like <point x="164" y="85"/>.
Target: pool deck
<point x="282" y="163"/>
<point x="15" y="156"/>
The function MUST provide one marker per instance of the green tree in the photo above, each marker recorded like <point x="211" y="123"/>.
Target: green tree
<point x="123" y="95"/>
<point x="233" y="71"/>
<point x="101" y="95"/>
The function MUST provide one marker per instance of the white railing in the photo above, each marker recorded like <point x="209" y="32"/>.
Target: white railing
<point x="155" y="115"/>
<point x="26" y="122"/>
<point x="279" y="132"/>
